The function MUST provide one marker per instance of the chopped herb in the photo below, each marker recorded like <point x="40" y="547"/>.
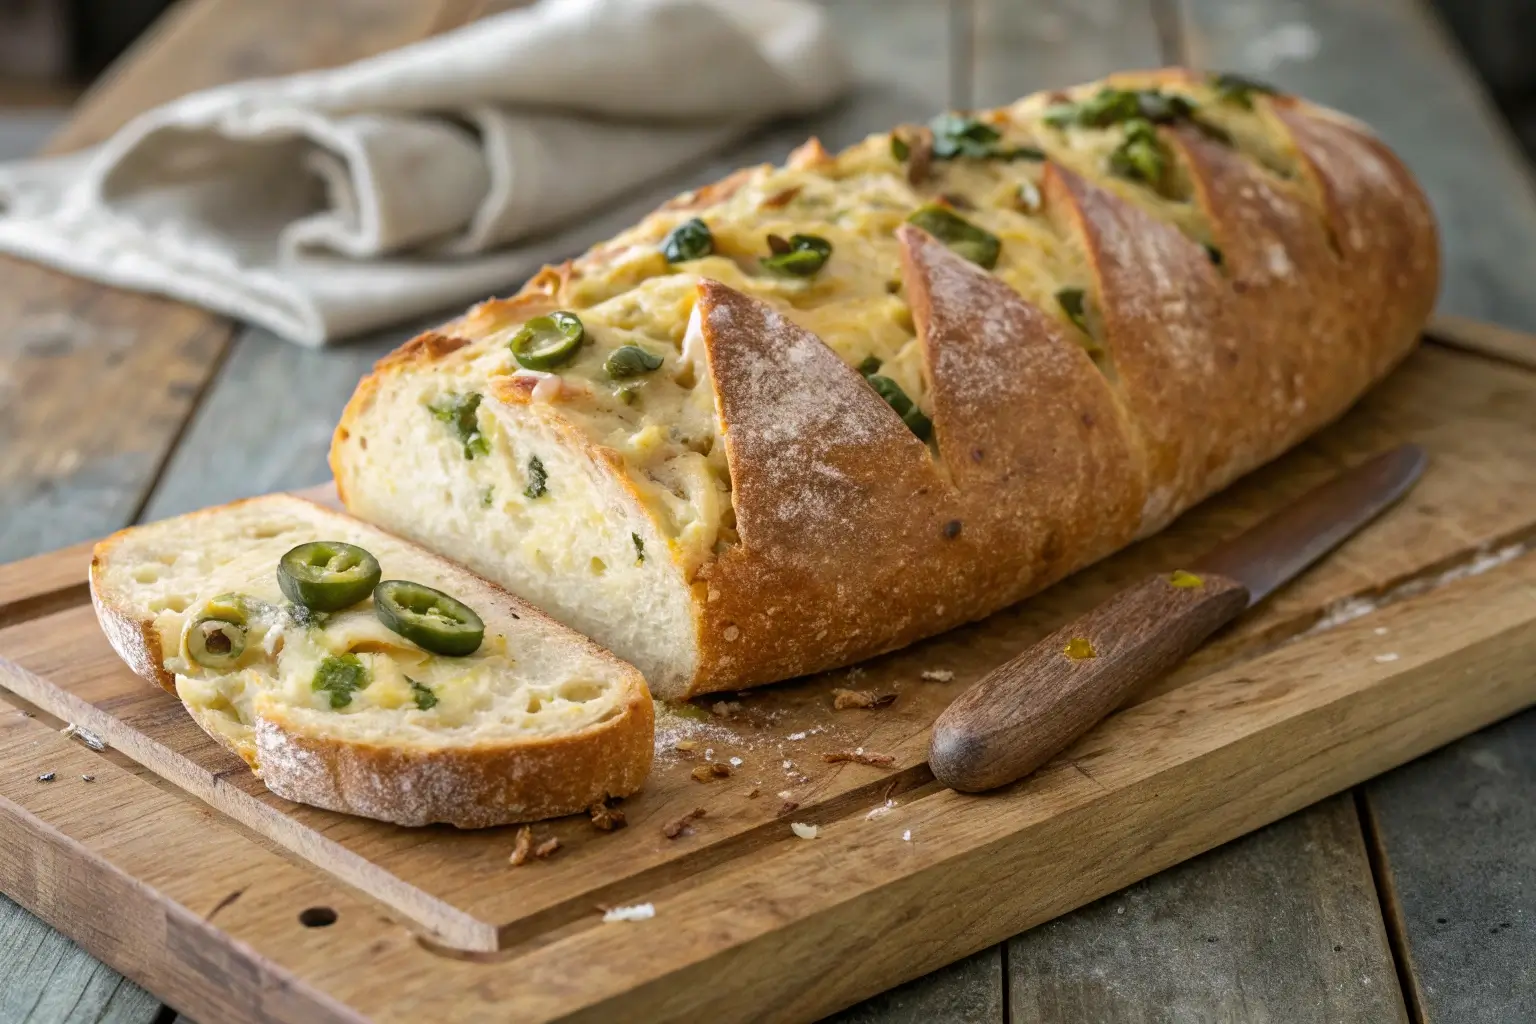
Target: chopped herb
<point x="871" y="364"/>
<point x="899" y="149"/>
<point x="897" y="399"/>
<point x="426" y="700"/>
<point x="340" y="675"/>
<point x="631" y="361"/>
<point x="955" y="135"/>
<point x="639" y="548"/>
<point x="690" y="240"/>
<point x="487" y="495"/>
<point x="1071" y="301"/>
<point x="1213" y="252"/>
<point x="1116" y="106"/>
<point x="626" y="393"/>
<point x="1029" y="197"/>
<point x="1140" y="157"/>
<point x="975" y="244"/>
<point x="459" y="412"/>
<point x="537" y="479"/>
<point x="1239" y="90"/>
<point x="804" y="256"/>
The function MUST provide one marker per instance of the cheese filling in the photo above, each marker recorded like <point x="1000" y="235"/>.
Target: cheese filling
<point x="662" y="423"/>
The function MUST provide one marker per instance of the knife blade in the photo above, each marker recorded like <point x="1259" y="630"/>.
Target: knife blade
<point x="1024" y="713"/>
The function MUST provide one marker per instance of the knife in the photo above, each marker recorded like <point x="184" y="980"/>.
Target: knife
<point x="1021" y="715"/>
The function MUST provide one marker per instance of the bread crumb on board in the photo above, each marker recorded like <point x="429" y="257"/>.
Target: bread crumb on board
<point x="710" y="771"/>
<point x="803" y="830"/>
<point x="606" y="818"/>
<point x="859" y="756"/>
<point x="677" y="827"/>
<point x="85" y="736"/>
<point x="906" y="836"/>
<point x="523" y="847"/>
<point x="938" y="675"/>
<point x="638" y="912"/>
<point x="843" y="700"/>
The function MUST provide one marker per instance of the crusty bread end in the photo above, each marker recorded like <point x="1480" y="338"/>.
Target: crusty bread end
<point x="549" y="724"/>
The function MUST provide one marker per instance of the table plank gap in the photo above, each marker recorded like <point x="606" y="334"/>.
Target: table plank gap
<point x="1391" y="910"/>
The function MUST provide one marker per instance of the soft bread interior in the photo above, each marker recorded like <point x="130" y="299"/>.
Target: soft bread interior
<point x="528" y="681"/>
<point x="542" y="515"/>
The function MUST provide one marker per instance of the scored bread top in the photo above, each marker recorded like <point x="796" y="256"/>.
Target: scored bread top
<point x="1138" y="345"/>
<point x="454" y="735"/>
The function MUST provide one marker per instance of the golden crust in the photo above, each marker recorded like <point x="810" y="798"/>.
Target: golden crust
<point x="134" y="639"/>
<point x="474" y="787"/>
<point x="1214" y="364"/>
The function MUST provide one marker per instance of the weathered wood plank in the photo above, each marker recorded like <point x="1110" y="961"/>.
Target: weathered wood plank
<point x="1392" y="64"/>
<point x="47" y="979"/>
<point x="1282" y="924"/>
<point x="1457" y="838"/>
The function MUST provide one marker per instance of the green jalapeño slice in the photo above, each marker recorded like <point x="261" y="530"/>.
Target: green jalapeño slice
<point x="428" y="618"/>
<point x="546" y="342"/>
<point x="327" y="575"/>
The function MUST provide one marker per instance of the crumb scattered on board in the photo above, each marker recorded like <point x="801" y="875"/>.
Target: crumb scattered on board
<point x="906" y="836"/>
<point x="880" y="811"/>
<point x="843" y="700"/>
<point x="606" y="818"/>
<point x="85" y="736"/>
<point x="803" y="830"/>
<point x="859" y="756"/>
<point x="523" y="847"/>
<point x="938" y="675"/>
<point x="673" y="829"/>
<point x="711" y="770"/>
<point x="45" y="777"/>
<point x="1383" y="659"/>
<point x="638" y="912"/>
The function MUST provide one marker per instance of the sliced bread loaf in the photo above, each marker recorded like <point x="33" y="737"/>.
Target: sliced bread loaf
<point x="334" y="707"/>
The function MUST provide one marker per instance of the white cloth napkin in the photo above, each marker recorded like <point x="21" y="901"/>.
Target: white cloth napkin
<point x="325" y="204"/>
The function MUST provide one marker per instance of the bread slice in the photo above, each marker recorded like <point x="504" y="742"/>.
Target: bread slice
<point x="1034" y="334"/>
<point x="537" y="722"/>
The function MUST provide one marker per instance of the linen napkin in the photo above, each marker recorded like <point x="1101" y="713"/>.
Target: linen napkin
<point x="325" y="204"/>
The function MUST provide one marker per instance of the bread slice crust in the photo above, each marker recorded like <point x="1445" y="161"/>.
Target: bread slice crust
<point x="1313" y="267"/>
<point x="485" y="783"/>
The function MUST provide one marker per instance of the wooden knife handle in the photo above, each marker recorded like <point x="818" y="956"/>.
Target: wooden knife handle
<point x="1021" y="715"/>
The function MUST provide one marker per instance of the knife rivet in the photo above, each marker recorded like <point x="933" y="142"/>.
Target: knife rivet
<point x="1079" y="649"/>
<point x="1185" y="580"/>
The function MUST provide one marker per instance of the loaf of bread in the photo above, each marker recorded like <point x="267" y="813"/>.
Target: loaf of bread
<point x="337" y="708"/>
<point x="816" y="412"/>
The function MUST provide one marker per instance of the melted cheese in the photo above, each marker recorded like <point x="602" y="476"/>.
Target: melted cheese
<point x="627" y="294"/>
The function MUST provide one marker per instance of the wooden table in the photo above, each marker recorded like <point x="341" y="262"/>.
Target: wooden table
<point x="1413" y="898"/>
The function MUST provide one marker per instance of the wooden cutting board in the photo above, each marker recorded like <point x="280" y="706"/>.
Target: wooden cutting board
<point x="175" y="865"/>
